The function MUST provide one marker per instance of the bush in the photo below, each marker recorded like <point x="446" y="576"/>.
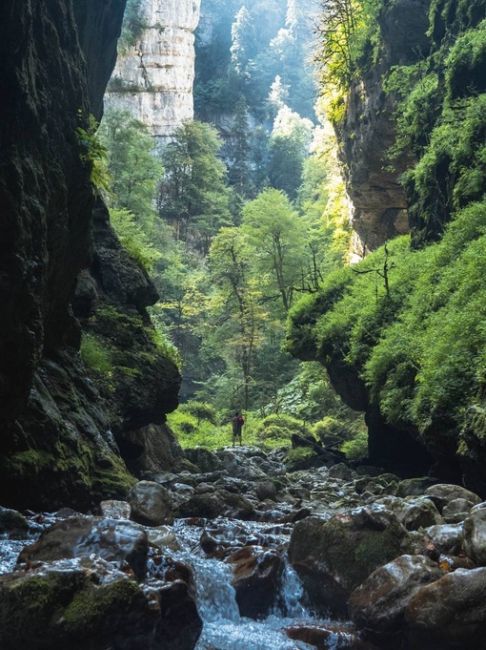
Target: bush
<point x="96" y="355"/>
<point x="466" y="64"/>
<point x="330" y="431"/>
<point x="357" y="447"/>
<point x="202" y="411"/>
<point x="279" y="428"/>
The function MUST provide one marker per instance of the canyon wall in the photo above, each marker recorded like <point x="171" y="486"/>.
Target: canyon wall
<point x="64" y="432"/>
<point x="154" y="76"/>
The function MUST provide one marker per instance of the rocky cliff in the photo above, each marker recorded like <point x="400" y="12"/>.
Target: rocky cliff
<point x="368" y="130"/>
<point x="402" y="333"/>
<point x="154" y="75"/>
<point x="58" y="432"/>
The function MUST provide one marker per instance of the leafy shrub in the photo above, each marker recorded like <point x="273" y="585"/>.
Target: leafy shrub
<point x="330" y="431"/>
<point x="466" y="64"/>
<point x="279" y="428"/>
<point x="202" y="411"/>
<point x="299" y="454"/>
<point x="357" y="447"/>
<point x="134" y="239"/>
<point x="420" y="349"/>
<point x="96" y="355"/>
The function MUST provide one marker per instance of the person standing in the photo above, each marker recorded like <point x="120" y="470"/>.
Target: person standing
<point x="238" y="422"/>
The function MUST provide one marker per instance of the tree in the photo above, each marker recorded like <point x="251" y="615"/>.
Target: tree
<point x="277" y="244"/>
<point x="244" y="41"/>
<point x="285" y="165"/>
<point x="240" y="171"/>
<point x="134" y="169"/>
<point x="236" y="305"/>
<point x="194" y="197"/>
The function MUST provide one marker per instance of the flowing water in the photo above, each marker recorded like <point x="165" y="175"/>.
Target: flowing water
<point x="224" y="627"/>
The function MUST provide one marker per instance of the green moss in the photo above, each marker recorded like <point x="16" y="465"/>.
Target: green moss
<point x="93" y="610"/>
<point x="96" y="355"/>
<point x="298" y="454"/>
<point x="29" y="606"/>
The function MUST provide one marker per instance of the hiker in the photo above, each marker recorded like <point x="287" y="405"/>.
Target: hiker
<point x="238" y="422"/>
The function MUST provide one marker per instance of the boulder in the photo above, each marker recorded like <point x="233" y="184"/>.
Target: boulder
<point x="449" y="613"/>
<point x="475" y="536"/>
<point x="55" y="609"/>
<point x="151" y="504"/>
<point x="257" y="574"/>
<point x="217" y="504"/>
<point x="443" y="493"/>
<point x="206" y="461"/>
<point x="334" y="556"/>
<point x="266" y="490"/>
<point x="12" y="523"/>
<point x="112" y="540"/>
<point x="420" y="513"/>
<point x="115" y="509"/>
<point x="180" y="625"/>
<point x="456" y="510"/>
<point x="446" y="538"/>
<point x="413" y="487"/>
<point x="378" y="605"/>
<point x="341" y="471"/>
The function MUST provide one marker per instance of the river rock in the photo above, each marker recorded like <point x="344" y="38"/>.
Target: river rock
<point x="456" y="510"/>
<point x="449" y="613"/>
<point x="420" y="513"/>
<point x="115" y="509"/>
<point x="221" y="503"/>
<point x="206" y="461"/>
<point x="444" y="493"/>
<point x="334" y="556"/>
<point x="53" y="609"/>
<point x="151" y="504"/>
<point x="266" y="490"/>
<point x="341" y="471"/>
<point x="378" y="605"/>
<point x="446" y="538"/>
<point x="257" y="575"/>
<point x="180" y="625"/>
<point x="475" y="536"/>
<point x="112" y="540"/>
<point x="12" y="522"/>
<point x="163" y="537"/>
<point x="413" y="487"/>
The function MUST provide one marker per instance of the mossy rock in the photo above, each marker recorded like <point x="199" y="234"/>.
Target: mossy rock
<point x="334" y="557"/>
<point x="63" y="609"/>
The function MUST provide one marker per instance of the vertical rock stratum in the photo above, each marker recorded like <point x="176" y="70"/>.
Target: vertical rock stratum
<point x="154" y="76"/>
<point x="67" y="435"/>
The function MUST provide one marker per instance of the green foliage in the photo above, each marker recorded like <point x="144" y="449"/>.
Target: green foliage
<point x="357" y="447"/>
<point x="285" y="166"/>
<point x="134" y="169"/>
<point x="202" y="411"/>
<point x="350" y="40"/>
<point x="420" y="348"/>
<point x="94" y="153"/>
<point x="134" y="239"/>
<point x="452" y="170"/>
<point x="330" y="431"/>
<point x="466" y="64"/>
<point x="299" y="454"/>
<point x="277" y="429"/>
<point x="193" y="197"/>
<point x="96" y="355"/>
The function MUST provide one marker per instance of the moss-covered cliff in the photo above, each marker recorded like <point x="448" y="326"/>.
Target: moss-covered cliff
<point x="402" y="334"/>
<point x="59" y="435"/>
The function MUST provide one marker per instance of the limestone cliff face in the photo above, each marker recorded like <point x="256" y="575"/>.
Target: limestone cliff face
<point x="154" y="78"/>
<point x="368" y="131"/>
<point x="60" y="435"/>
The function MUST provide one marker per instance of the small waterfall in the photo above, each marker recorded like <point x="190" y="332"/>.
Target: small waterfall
<point x="292" y="591"/>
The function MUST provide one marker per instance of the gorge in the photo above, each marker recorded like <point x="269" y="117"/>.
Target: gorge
<point x="190" y="258"/>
